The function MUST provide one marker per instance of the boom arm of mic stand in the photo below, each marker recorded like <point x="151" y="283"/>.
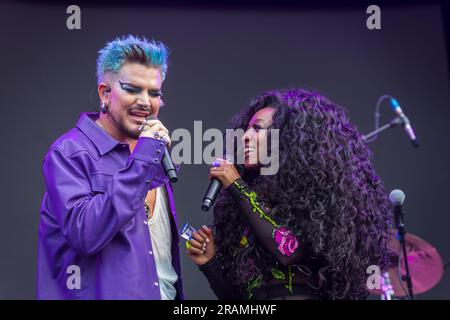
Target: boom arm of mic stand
<point x="395" y="122"/>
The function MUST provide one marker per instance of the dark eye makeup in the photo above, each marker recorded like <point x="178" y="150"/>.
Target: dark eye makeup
<point x="132" y="89"/>
<point x="257" y="127"/>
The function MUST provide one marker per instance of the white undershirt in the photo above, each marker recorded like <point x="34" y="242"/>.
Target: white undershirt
<point x="160" y="232"/>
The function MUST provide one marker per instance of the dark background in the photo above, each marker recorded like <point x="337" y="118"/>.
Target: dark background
<point x="221" y="57"/>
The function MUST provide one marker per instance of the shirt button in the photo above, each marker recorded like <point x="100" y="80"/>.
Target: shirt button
<point x="150" y="252"/>
<point x="155" y="160"/>
<point x="161" y="144"/>
<point x="158" y="151"/>
<point x="148" y="181"/>
<point x="156" y="284"/>
<point x="145" y="222"/>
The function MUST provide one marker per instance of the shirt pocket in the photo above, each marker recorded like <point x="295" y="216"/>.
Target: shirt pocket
<point x="100" y="182"/>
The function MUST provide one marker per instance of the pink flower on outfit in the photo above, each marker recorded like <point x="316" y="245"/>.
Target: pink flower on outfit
<point x="287" y="242"/>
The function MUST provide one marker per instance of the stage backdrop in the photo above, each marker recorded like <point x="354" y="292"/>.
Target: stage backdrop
<point x="220" y="58"/>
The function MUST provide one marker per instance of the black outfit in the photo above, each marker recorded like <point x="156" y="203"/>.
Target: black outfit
<point x="258" y="219"/>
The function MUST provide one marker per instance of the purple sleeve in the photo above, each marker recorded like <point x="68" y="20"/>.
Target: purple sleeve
<point x="91" y="208"/>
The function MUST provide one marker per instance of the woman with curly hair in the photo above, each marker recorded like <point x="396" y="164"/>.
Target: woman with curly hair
<point x="311" y="230"/>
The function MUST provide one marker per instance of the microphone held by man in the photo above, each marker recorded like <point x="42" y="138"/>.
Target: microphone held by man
<point x="153" y="128"/>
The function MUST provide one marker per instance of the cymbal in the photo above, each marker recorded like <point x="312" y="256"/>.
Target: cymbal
<point x="424" y="262"/>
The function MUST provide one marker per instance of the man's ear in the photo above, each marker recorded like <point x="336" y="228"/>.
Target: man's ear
<point x="103" y="90"/>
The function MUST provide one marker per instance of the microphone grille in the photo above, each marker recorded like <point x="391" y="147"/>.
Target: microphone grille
<point x="397" y="197"/>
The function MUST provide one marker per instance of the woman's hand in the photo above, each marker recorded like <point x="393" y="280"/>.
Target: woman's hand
<point x="201" y="247"/>
<point x="225" y="171"/>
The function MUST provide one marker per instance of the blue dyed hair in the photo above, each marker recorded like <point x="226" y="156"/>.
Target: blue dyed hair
<point x="131" y="49"/>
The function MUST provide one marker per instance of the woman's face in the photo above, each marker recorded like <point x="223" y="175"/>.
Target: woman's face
<point x="254" y="139"/>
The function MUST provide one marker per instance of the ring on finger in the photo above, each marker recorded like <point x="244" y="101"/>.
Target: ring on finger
<point x="144" y="123"/>
<point x="216" y="164"/>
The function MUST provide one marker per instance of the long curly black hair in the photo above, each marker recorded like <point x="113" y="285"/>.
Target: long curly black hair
<point x="326" y="191"/>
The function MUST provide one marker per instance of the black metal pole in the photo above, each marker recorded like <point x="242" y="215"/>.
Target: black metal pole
<point x="398" y="215"/>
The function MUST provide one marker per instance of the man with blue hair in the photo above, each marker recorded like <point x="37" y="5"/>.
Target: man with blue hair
<point x="108" y="226"/>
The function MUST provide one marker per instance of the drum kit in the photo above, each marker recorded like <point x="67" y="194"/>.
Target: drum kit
<point x="425" y="266"/>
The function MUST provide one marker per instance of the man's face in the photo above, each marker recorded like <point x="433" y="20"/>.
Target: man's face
<point x="135" y="94"/>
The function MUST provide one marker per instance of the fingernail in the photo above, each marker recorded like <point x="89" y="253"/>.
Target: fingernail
<point x="207" y="240"/>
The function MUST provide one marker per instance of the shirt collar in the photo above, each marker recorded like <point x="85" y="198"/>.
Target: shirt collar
<point x="101" y="139"/>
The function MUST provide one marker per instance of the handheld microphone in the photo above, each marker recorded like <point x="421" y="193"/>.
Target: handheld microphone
<point x="168" y="166"/>
<point x="406" y="123"/>
<point x="211" y="194"/>
<point x="166" y="160"/>
<point x="213" y="191"/>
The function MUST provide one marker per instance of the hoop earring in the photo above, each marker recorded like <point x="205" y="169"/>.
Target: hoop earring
<point x="104" y="108"/>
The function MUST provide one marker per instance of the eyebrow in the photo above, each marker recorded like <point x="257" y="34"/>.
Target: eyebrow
<point x="259" y="120"/>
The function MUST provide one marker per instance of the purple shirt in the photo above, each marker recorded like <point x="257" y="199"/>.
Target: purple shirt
<point x="94" y="241"/>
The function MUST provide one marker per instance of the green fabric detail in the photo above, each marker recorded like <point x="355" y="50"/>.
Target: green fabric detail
<point x="255" y="205"/>
<point x="291" y="275"/>
<point x="244" y="241"/>
<point x="278" y="274"/>
<point x="253" y="283"/>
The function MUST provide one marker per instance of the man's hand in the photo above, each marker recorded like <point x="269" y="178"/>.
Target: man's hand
<point x="156" y="130"/>
<point x="226" y="172"/>
<point x="201" y="247"/>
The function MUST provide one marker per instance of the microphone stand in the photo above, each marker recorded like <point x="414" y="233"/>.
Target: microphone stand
<point x="395" y="122"/>
<point x="398" y="216"/>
